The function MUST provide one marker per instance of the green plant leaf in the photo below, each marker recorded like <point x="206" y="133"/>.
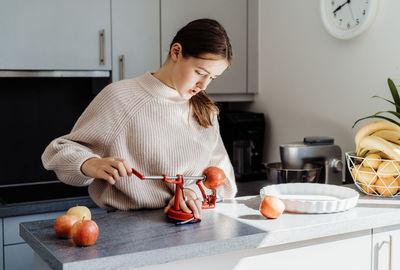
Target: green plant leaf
<point x="395" y="102"/>
<point x="397" y="106"/>
<point x="392" y="112"/>
<point x="376" y="116"/>
<point x="395" y="94"/>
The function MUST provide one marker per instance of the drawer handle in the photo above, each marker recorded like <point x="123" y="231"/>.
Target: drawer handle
<point x="390" y="250"/>
<point x="102" y="34"/>
<point x="121" y="67"/>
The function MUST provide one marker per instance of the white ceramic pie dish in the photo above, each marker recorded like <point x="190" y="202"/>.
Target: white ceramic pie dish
<point x="313" y="198"/>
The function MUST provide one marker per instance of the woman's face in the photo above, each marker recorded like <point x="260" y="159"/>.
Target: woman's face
<point x="192" y="75"/>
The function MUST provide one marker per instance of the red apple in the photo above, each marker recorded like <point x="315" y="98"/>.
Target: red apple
<point x="63" y="225"/>
<point x="272" y="207"/>
<point x="85" y="232"/>
<point x="215" y="177"/>
<point x="80" y="211"/>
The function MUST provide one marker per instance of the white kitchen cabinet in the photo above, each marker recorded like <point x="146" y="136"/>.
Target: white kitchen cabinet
<point x="232" y="14"/>
<point x="135" y="37"/>
<point x="347" y="251"/>
<point x="386" y="248"/>
<point x="19" y="257"/>
<point x="55" y="35"/>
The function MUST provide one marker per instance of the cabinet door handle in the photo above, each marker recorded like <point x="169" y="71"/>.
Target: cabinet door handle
<point x="102" y="36"/>
<point x="121" y="67"/>
<point x="390" y="249"/>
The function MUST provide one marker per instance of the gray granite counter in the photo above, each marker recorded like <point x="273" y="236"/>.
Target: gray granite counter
<point x="140" y="238"/>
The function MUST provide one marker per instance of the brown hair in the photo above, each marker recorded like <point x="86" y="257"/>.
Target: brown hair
<point x="197" y="38"/>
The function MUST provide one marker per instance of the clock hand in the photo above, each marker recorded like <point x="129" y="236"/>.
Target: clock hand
<point x="351" y="11"/>
<point x="339" y="7"/>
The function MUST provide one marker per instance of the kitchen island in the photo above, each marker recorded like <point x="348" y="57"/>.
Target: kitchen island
<point x="232" y="236"/>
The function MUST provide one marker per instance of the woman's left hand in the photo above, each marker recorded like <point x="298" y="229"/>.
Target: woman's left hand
<point x="191" y="205"/>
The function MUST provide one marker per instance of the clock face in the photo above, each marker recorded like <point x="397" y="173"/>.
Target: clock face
<point x="347" y="18"/>
<point x="347" y="14"/>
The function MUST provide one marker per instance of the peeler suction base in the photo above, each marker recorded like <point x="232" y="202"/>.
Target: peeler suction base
<point x="179" y="217"/>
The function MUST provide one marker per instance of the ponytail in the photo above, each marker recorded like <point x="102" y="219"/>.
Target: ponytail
<point x="204" y="109"/>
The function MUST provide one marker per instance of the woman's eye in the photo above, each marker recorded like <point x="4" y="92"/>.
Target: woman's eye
<point x="199" y="73"/>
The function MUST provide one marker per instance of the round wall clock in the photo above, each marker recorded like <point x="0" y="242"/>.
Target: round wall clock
<point x="346" y="19"/>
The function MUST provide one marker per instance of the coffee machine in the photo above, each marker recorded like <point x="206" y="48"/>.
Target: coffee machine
<point x="314" y="152"/>
<point x="243" y="137"/>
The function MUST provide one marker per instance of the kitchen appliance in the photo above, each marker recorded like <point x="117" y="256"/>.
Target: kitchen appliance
<point x="243" y="137"/>
<point x="279" y="175"/>
<point x="315" y="160"/>
<point x="314" y="152"/>
<point x="213" y="178"/>
<point x="34" y="111"/>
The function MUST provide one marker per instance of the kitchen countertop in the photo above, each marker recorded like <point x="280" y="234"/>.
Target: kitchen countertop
<point x="140" y="238"/>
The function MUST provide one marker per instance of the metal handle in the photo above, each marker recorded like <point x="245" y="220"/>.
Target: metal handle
<point x="190" y="178"/>
<point x="102" y="47"/>
<point x="121" y="67"/>
<point x="390" y="250"/>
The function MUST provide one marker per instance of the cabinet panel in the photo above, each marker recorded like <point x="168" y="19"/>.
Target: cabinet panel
<point x="54" y="34"/>
<point x="135" y="37"/>
<point x="386" y="248"/>
<point x="18" y="257"/>
<point x="11" y="225"/>
<point x="232" y="14"/>
<point x="350" y="251"/>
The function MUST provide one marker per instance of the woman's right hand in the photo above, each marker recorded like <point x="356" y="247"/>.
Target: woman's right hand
<point x="110" y="168"/>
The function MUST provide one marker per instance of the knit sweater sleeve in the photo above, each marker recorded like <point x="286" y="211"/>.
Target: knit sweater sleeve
<point x="92" y="131"/>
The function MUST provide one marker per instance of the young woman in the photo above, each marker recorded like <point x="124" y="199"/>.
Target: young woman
<point x="158" y="123"/>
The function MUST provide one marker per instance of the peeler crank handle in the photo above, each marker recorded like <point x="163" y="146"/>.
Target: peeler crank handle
<point x="138" y="174"/>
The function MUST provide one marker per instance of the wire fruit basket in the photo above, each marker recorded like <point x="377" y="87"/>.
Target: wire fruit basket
<point x="375" y="176"/>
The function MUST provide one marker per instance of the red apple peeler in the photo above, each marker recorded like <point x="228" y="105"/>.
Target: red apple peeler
<point x="212" y="178"/>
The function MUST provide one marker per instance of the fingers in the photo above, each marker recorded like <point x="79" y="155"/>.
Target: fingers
<point x="110" y="169"/>
<point x="107" y="177"/>
<point x="113" y="172"/>
<point x="194" y="206"/>
<point x="123" y="166"/>
<point x="117" y="167"/>
<point x="171" y="202"/>
<point x="184" y="206"/>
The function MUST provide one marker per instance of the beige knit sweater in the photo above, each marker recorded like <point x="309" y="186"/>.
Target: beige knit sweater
<point x="147" y="123"/>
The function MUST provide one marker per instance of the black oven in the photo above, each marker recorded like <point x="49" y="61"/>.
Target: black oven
<point x="34" y="111"/>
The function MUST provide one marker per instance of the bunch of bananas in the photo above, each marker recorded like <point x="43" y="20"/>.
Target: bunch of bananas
<point x="378" y="152"/>
<point x="381" y="137"/>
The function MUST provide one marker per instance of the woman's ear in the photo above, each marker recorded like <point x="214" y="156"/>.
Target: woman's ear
<point x="175" y="51"/>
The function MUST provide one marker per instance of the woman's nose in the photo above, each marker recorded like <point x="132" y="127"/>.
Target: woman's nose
<point x="202" y="85"/>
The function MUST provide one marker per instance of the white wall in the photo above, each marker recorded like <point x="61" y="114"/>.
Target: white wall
<point x="313" y="84"/>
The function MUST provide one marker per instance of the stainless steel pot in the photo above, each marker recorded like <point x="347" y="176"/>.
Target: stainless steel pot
<point x="309" y="174"/>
